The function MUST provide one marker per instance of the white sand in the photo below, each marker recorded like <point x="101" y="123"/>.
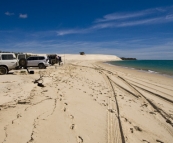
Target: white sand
<point x="86" y="57"/>
<point x="89" y="57"/>
<point x="86" y="101"/>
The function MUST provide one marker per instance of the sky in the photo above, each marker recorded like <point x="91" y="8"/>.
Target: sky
<point x="141" y="29"/>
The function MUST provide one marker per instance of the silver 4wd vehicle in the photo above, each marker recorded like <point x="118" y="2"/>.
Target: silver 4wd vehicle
<point x="38" y="61"/>
<point x="8" y="61"/>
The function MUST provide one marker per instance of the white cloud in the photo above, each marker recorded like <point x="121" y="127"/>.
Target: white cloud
<point x="73" y="31"/>
<point x="141" y="22"/>
<point x="8" y="13"/>
<point x="137" y="14"/>
<point x="169" y="17"/>
<point x="147" y="21"/>
<point x="103" y="25"/>
<point x="120" y="16"/>
<point x="23" y="15"/>
<point x="116" y="20"/>
<point x="69" y="31"/>
<point x="114" y="24"/>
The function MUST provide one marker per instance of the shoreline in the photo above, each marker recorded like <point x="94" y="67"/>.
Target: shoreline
<point x="145" y="72"/>
<point x="142" y="70"/>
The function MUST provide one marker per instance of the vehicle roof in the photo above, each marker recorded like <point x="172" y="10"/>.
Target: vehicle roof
<point x="37" y="56"/>
<point x="6" y="53"/>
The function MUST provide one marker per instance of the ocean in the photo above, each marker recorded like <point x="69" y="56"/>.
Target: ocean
<point x="154" y="66"/>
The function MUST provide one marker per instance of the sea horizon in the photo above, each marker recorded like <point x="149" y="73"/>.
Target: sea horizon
<point x="164" y="67"/>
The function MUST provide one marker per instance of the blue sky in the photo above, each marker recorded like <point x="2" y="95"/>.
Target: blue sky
<point x="126" y="28"/>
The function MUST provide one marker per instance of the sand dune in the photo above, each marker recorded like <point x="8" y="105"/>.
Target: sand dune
<point x="89" y="57"/>
<point x="86" y="57"/>
<point x="86" y="102"/>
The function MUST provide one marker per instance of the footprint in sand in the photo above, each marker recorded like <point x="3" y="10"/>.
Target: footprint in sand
<point x="18" y="116"/>
<point x="80" y="139"/>
<point x="71" y="116"/>
<point x="65" y="103"/>
<point x="131" y="129"/>
<point x="152" y="113"/>
<point x="111" y="110"/>
<point x="159" y="141"/>
<point x="126" y="120"/>
<point x="72" y="126"/>
<point x="137" y="128"/>
<point x="146" y="141"/>
<point x="103" y="104"/>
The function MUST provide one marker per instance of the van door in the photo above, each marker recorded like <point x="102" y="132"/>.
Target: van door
<point x="36" y="61"/>
<point x="41" y="59"/>
<point x="30" y="61"/>
<point x="10" y="60"/>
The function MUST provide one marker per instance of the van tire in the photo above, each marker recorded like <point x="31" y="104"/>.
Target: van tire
<point x="41" y="66"/>
<point x="3" y="70"/>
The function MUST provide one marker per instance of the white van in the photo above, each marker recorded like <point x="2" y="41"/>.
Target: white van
<point x="38" y="61"/>
<point x="8" y="61"/>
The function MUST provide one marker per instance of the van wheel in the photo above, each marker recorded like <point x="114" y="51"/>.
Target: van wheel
<point x="41" y="66"/>
<point x="3" y="70"/>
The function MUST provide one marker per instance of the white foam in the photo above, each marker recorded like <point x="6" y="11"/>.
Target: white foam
<point x="150" y="71"/>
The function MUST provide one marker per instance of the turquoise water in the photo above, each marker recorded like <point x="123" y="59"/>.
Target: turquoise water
<point x="157" y="66"/>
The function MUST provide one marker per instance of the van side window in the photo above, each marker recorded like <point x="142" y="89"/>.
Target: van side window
<point x="35" y="58"/>
<point x="7" y="57"/>
<point x="41" y="58"/>
<point x="30" y="58"/>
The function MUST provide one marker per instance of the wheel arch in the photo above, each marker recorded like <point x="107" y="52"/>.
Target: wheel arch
<point x="40" y="63"/>
<point x="5" y="67"/>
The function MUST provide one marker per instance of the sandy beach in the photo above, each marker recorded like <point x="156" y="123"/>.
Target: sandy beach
<point x="86" y="101"/>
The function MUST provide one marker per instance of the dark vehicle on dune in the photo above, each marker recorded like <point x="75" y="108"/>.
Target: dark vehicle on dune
<point x="52" y="59"/>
